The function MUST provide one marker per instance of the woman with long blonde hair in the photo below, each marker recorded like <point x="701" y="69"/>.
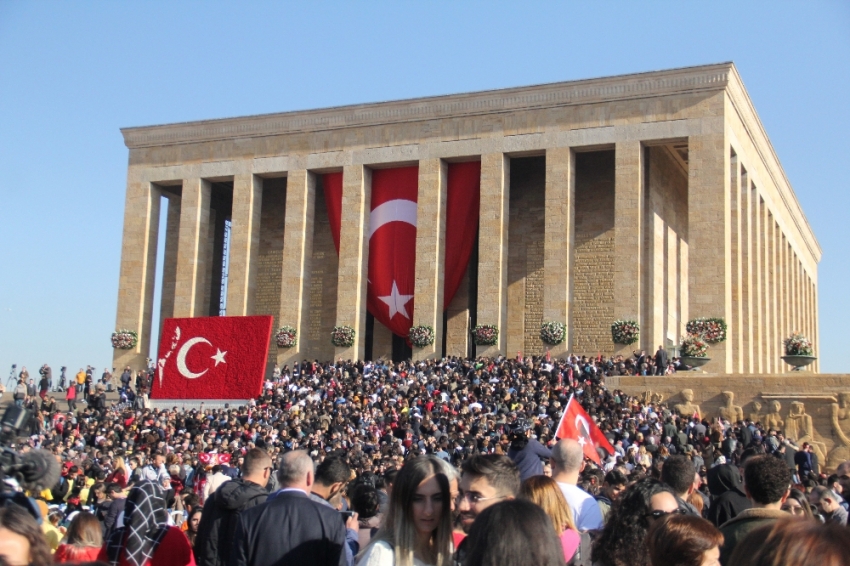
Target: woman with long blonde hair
<point x="119" y="473"/>
<point x="544" y="492"/>
<point x="417" y="530"/>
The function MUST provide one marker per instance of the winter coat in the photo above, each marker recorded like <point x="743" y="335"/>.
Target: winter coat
<point x="727" y="495"/>
<point x="734" y="530"/>
<point x="219" y="519"/>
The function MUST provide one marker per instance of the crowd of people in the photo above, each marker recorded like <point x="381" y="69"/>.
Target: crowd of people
<point x="437" y="462"/>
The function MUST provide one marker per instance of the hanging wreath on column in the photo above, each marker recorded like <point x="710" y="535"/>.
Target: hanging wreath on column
<point x="422" y="335"/>
<point x="486" y="335"/>
<point x="124" y="339"/>
<point x="713" y="330"/>
<point x="342" y="336"/>
<point x="625" y="332"/>
<point x="286" y="337"/>
<point x="553" y="332"/>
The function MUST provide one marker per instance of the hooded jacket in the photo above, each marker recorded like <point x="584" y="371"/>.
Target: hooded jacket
<point x="727" y="495"/>
<point x="220" y="517"/>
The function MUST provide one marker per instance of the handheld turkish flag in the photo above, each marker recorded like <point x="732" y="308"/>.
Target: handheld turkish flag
<point x="220" y="357"/>
<point x="576" y="424"/>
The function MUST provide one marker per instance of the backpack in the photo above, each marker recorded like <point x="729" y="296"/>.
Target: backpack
<point x="583" y="552"/>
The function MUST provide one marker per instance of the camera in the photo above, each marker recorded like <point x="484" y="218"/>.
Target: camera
<point x="14" y="366"/>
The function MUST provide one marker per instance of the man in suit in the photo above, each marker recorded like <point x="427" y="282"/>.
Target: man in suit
<point x="660" y="361"/>
<point x="290" y="528"/>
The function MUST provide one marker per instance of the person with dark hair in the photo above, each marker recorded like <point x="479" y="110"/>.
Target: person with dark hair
<point x="82" y="541"/>
<point x="145" y="539"/>
<point x="613" y="485"/>
<point x="366" y="503"/>
<point x="21" y="539"/>
<point x="290" y="528"/>
<point x="829" y="504"/>
<point x="767" y="482"/>
<point x="797" y="504"/>
<point x="684" y="540"/>
<point x="332" y="475"/>
<point x="526" y="453"/>
<point x="678" y="473"/>
<point x="418" y="526"/>
<point x="728" y="497"/>
<point x="513" y="533"/>
<point x="193" y="521"/>
<point x="793" y="542"/>
<point x="622" y="541"/>
<point x="221" y="512"/>
<point x="485" y="480"/>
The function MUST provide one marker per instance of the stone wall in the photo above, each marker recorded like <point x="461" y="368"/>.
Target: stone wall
<point x="272" y="214"/>
<point x="525" y="254"/>
<point x="822" y="396"/>
<point x="323" y="285"/>
<point x="593" y="285"/>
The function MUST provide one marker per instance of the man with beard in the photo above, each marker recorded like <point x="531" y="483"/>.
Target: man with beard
<point x="486" y="479"/>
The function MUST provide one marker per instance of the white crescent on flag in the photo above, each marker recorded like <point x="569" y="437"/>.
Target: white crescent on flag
<point x="399" y="210"/>
<point x="181" y="358"/>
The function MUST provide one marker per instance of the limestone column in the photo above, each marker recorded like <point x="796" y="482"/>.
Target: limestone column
<point x="671" y="259"/>
<point x="780" y="294"/>
<point x="192" y="250"/>
<point x="296" y="274"/>
<point x="354" y="257"/>
<point x="758" y="247"/>
<point x="816" y="337"/>
<point x="766" y="294"/>
<point x="628" y="236"/>
<point x="169" y="267"/>
<point x="138" y="271"/>
<point x="430" y="253"/>
<point x="244" y="244"/>
<point x="747" y="275"/>
<point x="559" y="241"/>
<point x="493" y="249"/>
<point x="736" y="325"/>
<point x="709" y="234"/>
<point x="457" y="327"/>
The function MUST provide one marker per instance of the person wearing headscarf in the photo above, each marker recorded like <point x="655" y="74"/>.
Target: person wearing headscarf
<point x="727" y="494"/>
<point x="146" y="539"/>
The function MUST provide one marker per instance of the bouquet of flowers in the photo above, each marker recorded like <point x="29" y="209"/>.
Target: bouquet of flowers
<point x="342" y="336"/>
<point x="286" y="337"/>
<point x="486" y="335"/>
<point x="625" y="331"/>
<point x="694" y="346"/>
<point x="553" y="332"/>
<point x="798" y="345"/>
<point x="421" y="336"/>
<point x="713" y="330"/>
<point x="124" y="339"/>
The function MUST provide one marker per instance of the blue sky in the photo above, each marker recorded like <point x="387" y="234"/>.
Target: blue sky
<point x="73" y="73"/>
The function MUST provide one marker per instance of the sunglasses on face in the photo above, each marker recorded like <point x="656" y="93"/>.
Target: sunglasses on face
<point x="658" y="514"/>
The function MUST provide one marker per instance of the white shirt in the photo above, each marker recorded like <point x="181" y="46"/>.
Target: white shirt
<point x="381" y="554"/>
<point x="586" y="513"/>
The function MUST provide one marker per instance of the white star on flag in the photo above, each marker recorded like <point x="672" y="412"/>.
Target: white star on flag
<point x="582" y="441"/>
<point x="219" y="357"/>
<point x="396" y="302"/>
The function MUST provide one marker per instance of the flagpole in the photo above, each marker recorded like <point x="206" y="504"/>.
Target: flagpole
<point x="564" y="414"/>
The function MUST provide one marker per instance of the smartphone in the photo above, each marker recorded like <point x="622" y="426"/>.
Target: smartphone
<point x="346" y="515"/>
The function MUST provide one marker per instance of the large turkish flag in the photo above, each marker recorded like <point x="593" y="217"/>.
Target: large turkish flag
<point x="392" y="236"/>
<point x="219" y="357"/>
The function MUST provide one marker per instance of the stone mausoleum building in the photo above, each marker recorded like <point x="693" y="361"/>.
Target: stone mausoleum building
<point x="655" y="197"/>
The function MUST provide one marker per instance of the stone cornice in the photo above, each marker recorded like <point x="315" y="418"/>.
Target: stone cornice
<point x="749" y="118"/>
<point x="622" y="87"/>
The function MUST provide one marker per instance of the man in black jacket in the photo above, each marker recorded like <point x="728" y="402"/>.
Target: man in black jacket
<point x="223" y="508"/>
<point x="290" y="528"/>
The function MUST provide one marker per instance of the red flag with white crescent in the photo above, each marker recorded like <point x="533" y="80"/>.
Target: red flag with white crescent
<point x="217" y="357"/>
<point x="577" y="425"/>
<point x="392" y="235"/>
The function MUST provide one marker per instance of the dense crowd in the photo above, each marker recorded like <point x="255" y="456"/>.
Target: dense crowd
<point x="449" y="461"/>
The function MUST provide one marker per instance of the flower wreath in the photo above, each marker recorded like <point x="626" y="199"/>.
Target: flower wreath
<point x="713" y="330"/>
<point x="694" y="346"/>
<point x="422" y="335"/>
<point x="124" y="339"/>
<point x="486" y="334"/>
<point x="286" y="337"/>
<point x="625" y="331"/>
<point x="553" y="332"/>
<point x="342" y="336"/>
